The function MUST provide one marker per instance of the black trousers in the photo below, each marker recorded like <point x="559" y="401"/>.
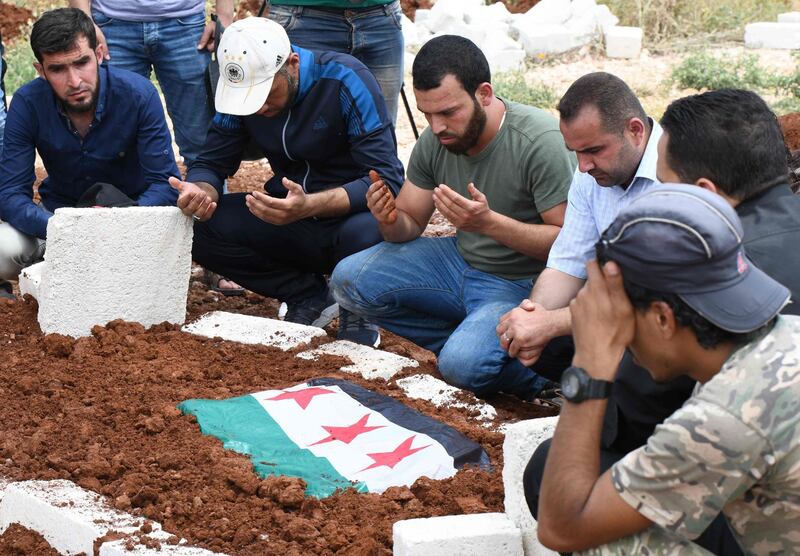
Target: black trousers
<point x="717" y="538"/>
<point x="285" y="262"/>
<point x="637" y="405"/>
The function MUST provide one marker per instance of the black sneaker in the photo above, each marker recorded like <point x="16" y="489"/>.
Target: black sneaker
<point x="357" y="330"/>
<point x="318" y="310"/>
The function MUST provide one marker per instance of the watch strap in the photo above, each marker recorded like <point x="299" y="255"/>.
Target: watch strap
<point x="598" y="389"/>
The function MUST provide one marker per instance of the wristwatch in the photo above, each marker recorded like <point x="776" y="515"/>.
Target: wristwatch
<point x="578" y="386"/>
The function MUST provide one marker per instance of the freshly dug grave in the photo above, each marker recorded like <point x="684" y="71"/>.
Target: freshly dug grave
<point x="100" y="411"/>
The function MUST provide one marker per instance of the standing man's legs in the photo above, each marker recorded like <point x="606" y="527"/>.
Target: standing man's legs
<point x="170" y="47"/>
<point x="373" y="35"/>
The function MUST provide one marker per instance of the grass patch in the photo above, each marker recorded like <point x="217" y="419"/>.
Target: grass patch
<point x="513" y="86"/>
<point x="705" y="71"/>
<point x="665" y="19"/>
<point x="19" y="59"/>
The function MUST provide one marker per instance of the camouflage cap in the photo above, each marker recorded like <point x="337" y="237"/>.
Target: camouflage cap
<point x="685" y="240"/>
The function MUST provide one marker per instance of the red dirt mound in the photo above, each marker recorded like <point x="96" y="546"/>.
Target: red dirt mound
<point x="12" y="18"/>
<point x="100" y="411"/>
<point x="790" y="125"/>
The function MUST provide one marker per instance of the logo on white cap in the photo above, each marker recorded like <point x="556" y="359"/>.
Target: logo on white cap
<point x="234" y="72"/>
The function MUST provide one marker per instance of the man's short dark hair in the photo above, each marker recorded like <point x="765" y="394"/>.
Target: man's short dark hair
<point x="450" y="55"/>
<point x="730" y="137"/>
<point x="59" y="30"/>
<point x="609" y="94"/>
<point x="708" y="335"/>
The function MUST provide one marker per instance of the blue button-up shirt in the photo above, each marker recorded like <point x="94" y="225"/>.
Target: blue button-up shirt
<point x="591" y="208"/>
<point x="128" y="145"/>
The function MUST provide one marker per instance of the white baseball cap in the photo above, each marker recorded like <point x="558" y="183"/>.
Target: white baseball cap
<point x="251" y="52"/>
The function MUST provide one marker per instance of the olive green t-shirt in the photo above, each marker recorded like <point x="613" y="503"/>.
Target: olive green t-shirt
<point x="524" y="171"/>
<point x="343" y="4"/>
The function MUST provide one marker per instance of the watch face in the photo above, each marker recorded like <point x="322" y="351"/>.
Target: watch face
<point x="570" y="385"/>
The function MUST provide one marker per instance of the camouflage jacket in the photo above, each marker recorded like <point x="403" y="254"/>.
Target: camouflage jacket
<point x="734" y="447"/>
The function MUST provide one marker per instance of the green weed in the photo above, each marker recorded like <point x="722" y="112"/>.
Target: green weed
<point x="513" y="86"/>
<point x="704" y="71"/>
<point x="665" y="19"/>
<point x="19" y="59"/>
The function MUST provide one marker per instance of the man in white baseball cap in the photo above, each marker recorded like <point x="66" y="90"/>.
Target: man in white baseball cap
<point x="252" y="53"/>
<point x="320" y="120"/>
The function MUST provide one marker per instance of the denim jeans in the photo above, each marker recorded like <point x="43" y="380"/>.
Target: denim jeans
<point x="425" y="291"/>
<point x="169" y="47"/>
<point x="2" y="96"/>
<point x="373" y="35"/>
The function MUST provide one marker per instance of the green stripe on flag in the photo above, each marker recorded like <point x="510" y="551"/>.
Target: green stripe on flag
<point x="244" y="426"/>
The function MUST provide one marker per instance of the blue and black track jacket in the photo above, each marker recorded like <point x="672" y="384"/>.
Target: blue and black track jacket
<point x="334" y="132"/>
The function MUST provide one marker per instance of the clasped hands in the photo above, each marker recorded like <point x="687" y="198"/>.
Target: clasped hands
<point x="603" y="324"/>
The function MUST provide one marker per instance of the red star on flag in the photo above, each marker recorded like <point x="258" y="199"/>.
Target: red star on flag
<point x="302" y="397"/>
<point x="347" y="434"/>
<point x="390" y="459"/>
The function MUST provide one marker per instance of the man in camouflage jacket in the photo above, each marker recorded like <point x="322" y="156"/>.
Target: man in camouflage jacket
<point x="677" y="289"/>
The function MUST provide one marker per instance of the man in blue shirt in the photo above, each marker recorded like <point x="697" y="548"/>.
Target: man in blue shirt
<point x="616" y="143"/>
<point x="321" y="121"/>
<point x="89" y="123"/>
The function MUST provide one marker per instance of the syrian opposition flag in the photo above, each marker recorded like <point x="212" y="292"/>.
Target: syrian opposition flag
<point x="334" y="434"/>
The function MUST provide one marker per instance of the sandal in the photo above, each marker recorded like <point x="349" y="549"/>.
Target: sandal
<point x="212" y="280"/>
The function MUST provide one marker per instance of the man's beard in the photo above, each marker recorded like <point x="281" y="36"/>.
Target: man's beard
<point x="625" y="166"/>
<point x="291" y="94"/>
<point x="86" y="106"/>
<point x="475" y="126"/>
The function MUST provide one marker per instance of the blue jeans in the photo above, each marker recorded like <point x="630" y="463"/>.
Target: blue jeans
<point x="425" y="291"/>
<point x="2" y="97"/>
<point x="169" y="47"/>
<point x="373" y="35"/>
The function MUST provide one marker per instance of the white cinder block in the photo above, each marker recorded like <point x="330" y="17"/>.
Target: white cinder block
<point x="119" y="548"/>
<point x="67" y="516"/>
<point x="623" y="42"/>
<point x="549" y="38"/>
<point x="502" y="61"/>
<point x="439" y="393"/>
<point x="253" y="330"/>
<point x="465" y="535"/>
<point x="521" y="441"/>
<point x="411" y="33"/>
<point x="368" y="362"/>
<point x="549" y="12"/>
<point x="490" y="15"/>
<point x="789" y="17"/>
<point x="605" y="19"/>
<point x="784" y="36"/>
<point x="30" y="279"/>
<point x="103" y="264"/>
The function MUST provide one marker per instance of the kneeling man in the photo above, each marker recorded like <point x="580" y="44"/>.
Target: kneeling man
<point x="499" y="172"/>
<point x="677" y="289"/>
<point x="90" y="123"/>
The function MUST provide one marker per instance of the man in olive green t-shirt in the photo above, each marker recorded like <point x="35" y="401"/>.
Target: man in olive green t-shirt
<point x="499" y="172"/>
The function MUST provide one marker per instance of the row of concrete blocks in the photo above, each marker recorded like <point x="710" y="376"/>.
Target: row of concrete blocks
<point x="72" y="519"/>
<point x="783" y="34"/>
